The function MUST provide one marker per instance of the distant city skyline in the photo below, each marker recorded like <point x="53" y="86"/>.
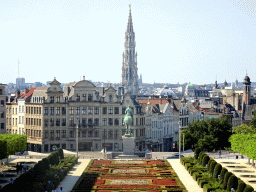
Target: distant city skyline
<point x="176" y="41"/>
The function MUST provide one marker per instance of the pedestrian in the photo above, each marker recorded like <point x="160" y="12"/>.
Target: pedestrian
<point x="17" y="168"/>
<point x="25" y="167"/>
<point x="242" y="156"/>
<point x="219" y="153"/>
<point x="236" y="156"/>
<point x="61" y="190"/>
<point x="12" y="181"/>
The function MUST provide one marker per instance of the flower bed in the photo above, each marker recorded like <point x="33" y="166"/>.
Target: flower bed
<point x="128" y="176"/>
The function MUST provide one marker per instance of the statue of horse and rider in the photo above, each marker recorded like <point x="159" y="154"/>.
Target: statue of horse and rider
<point x="128" y="119"/>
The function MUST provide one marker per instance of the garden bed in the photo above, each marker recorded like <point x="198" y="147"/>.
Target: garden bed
<point x="128" y="176"/>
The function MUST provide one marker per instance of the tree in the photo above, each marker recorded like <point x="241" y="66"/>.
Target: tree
<point x="244" y="129"/>
<point x="207" y="142"/>
<point x="188" y="139"/>
<point x="253" y="122"/>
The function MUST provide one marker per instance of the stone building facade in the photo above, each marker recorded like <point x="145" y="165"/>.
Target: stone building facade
<point x="2" y="109"/>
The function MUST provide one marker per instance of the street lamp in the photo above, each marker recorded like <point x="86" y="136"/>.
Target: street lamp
<point x="179" y="138"/>
<point x="77" y="138"/>
<point x="183" y="141"/>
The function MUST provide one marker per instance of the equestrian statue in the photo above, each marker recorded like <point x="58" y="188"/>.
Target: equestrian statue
<point x="128" y="119"/>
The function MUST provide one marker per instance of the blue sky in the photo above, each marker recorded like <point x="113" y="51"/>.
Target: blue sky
<point x="176" y="40"/>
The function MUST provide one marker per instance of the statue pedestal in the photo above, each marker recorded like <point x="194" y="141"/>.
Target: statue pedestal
<point x="128" y="148"/>
<point x="128" y="145"/>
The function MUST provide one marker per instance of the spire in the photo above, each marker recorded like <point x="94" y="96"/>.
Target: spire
<point x="130" y="25"/>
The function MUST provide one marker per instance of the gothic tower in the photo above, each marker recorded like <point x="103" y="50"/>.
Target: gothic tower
<point x="247" y="90"/>
<point x="129" y="64"/>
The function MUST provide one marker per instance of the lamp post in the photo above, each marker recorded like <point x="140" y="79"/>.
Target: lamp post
<point x="77" y="138"/>
<point x="179" y="138"/>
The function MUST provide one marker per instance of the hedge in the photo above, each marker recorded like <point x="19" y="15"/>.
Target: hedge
<point x="248" y="188"/>
<point x="212" y="166"/>
<point x="232" y="182"/>
<point x="3" y="149"/>
<point x="241" y="186"/>
<point x="196" y="153"/>
<point x="217" y="170"/>
<point x="222" y="173"/>
<point x="205" y="160"/>
<point x="226" y="177"/>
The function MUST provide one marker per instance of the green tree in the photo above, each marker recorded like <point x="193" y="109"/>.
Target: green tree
<point x="207" y="142"/>
<point x="244" y="129"/>
<point x="253" y="122"/>
<point x="188" y="139"/>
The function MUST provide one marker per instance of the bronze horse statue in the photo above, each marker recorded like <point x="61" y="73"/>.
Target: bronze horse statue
<point x="128" y="119"/>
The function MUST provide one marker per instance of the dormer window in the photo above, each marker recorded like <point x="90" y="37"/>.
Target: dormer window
<point x="77" y="97"/>
<point x="52" y="99"/>
<point x="110" y="98"/>
<point x="57" y="99"/>
<point x="89" y="97"/>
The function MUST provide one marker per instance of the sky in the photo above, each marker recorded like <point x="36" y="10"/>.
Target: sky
<point x="177" y="41"/>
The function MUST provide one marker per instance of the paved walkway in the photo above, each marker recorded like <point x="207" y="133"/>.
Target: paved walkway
<point x="70" y="180"/>
<point x="187" y="180"/>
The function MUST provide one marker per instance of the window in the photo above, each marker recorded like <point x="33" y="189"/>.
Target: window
<point x="83" y="110"/>
<point x="46" y="122"/>
<point x="51" y="122"/>
<point x="46" y="111"/>
<point x="90" y="133"/>
<point x="57" y="110"/>
<point x="116" y="110"/>
<point x="110" y="110"/>
<point x="96" y="122"/>
<point x="39" y="110"/>
<point x="71" y="122"/>
<point x="35" y="111"/>
<point x="116" y="121"/>
<point x="16" y="110"/>
<point x="104" y="121"/>
<point x="115" y="134"/>
<point x="90" y="97"/>
<point x="58" y="134"/>
<point x="71" y="111"/>
<point x="123" y="110"/>
<point x="2" y="114"/>
<point x="84" y="97"/>
<point x="19" y="108"/>
<point x="64" y="122"/>
<point x="72" y="134"/>
<point x="110" y="134"/>
<point x="23" y="108"/>
<point x="57" y="122"/>
<point x="96" y="110"/>
<point x="51" y="110"/>
<point x="58" y="99"/>
<point x="90" y="122"/>
<point x="40" y="122"/>
<point x="123" y="131"/>
<point x="77" y="110"/>
<point x="84" y="133"/>
<point x="77" y="97"/>
<point x="2" y="125"/>
<point x="90" y="109"/>
<point x="96" y="133"/>
<point x="110" y="121"/>
<point x="104" y="110"/>
<point x="83" y="122"/>
<point x="64" y="146"/>
<point x="52" y="99"/>
<point x="52" y="134"/>
<point x="63" y="110"/>
<point x="71" y="146"/>
<point x="32" y="110"/>
<point x="104" y="134"/>
<point x="110" y="98"/>
<point x="16" y="121"/>
<point x="46" y="134"/>
<point x="2" y="103"/>
<point x="63" y="133"/>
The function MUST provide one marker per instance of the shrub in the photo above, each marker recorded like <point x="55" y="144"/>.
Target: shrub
<point x="196" y="153"/>
<point x="232" y="182"/>
<point x="217" y="170"/>
<point x="61" y="154"/>
<point x="241" y="186"/>
<point x="207" y="188"/>
<point x="226" y="177"/>
<point x="209" y="163"/>
<point x="203" y="182"/>
<point x="3" y="149"/>
<point x="212" y="166"/>
<point x="222" y="173"/>
<point x="205" y="160"/>
<point x="200" y="156"/>
<point x="248" y="188"/>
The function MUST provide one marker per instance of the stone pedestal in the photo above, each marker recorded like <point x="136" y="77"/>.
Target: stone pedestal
<point x="128" y="145"/>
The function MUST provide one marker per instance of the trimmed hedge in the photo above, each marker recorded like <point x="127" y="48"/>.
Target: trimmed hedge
<point x="205" y="160"/>
<point x="3" y="149"/>
<point x="232" y="182"/>
<point x="248" y="188"/>
<point x="212" y="166"/>
<point x="209" y="163"/>
<point x="222" y="173"/>
<point x="217" y="170"/>
<point x="208" y="188"/>
<point x="226" y="177"/>
<point x="196" y="153"/>
<point x="241" y="186"/>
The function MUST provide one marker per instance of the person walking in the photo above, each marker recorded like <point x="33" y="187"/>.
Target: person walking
<point x="17" y="168"/>
<point x="25" y="167"/>
<point x="61" y="190"/>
